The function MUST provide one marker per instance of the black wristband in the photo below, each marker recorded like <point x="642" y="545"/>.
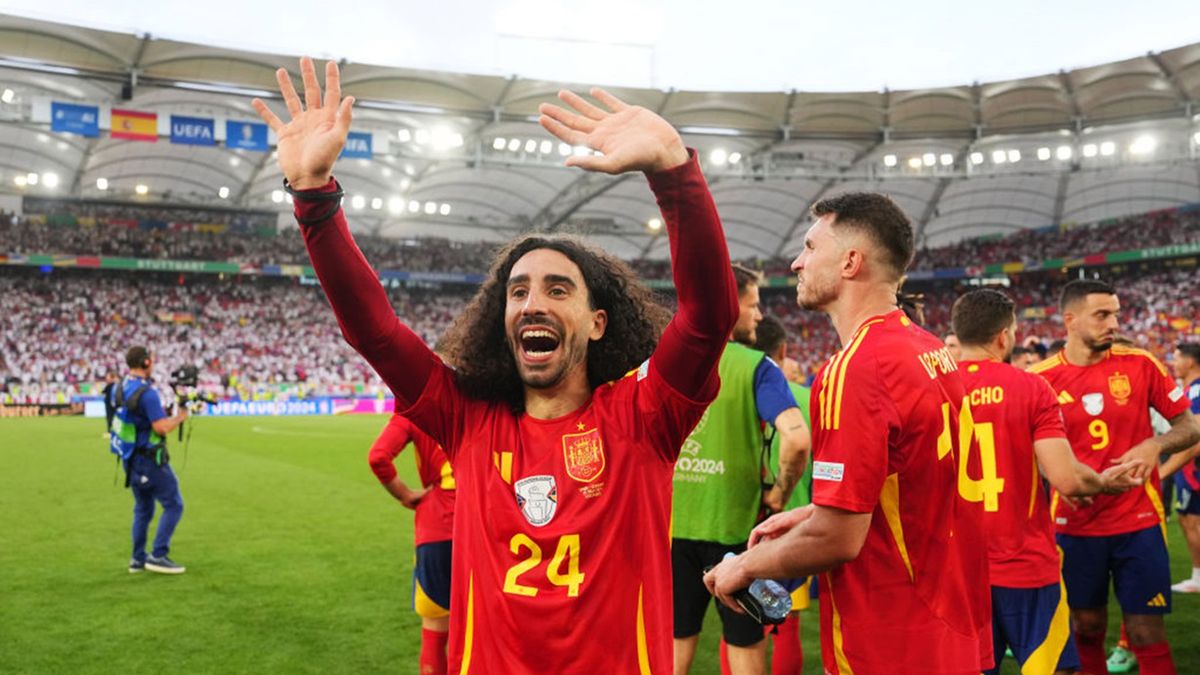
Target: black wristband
<point x="335" y="199"/>
<point x="311" y="196"/>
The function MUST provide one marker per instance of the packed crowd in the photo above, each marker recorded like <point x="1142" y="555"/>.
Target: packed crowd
<point x="251" y="339"/>
<point x="272" y="338"/>
<point x="193" y="234"/>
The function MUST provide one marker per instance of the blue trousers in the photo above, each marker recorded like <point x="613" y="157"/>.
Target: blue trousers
<point x="150" y="483"/>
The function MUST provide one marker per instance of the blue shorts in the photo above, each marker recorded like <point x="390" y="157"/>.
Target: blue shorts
<point x="1036" y="624"/>
<point x="1136" y="562"/>
<point x="431" y="580"/>
<point x="1187" y="500"/>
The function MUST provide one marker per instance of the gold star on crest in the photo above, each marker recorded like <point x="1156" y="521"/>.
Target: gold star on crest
<point x="581" y="426"/>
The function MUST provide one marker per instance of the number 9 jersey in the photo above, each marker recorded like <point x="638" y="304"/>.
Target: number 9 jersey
<point x="1106" y="407"/>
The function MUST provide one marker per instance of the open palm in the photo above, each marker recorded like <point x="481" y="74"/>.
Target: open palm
<point x="310" y="143"/>
<point x="630" y="138"/>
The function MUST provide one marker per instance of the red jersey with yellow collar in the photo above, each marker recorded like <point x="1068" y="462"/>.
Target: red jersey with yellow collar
<point x="1107" y="410"/>
<point x="1012" y="409"/>
<point x="887" y="414"/>
<point x="562" y="527"/>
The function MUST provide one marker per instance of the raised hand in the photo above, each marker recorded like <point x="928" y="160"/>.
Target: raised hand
<point x="310" y="143"/>
<point x="630" y="137"/>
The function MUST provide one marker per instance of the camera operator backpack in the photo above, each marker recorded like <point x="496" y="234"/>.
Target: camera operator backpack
<point x="123" y="433"/>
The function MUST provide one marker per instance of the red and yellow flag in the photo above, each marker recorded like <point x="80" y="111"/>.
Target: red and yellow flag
<point x="133" y="125"/>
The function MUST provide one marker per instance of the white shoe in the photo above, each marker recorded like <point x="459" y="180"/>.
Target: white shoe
<point x="1186" y="586"/>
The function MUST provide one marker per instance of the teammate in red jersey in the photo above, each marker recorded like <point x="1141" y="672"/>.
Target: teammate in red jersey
<point x="563" y="463"/>
<point x="432" y="529"/>
<point x="1185" y="466"/>
<point x="1106" y="392"/>
<point x="1020" y="430"/>
<point x="905" y="587"/>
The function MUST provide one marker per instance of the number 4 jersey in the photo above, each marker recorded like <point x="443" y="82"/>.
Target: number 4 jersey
<point x="1107" y="410"/>
<point x="1012" y="409"/>
<point x="562" y="558"/>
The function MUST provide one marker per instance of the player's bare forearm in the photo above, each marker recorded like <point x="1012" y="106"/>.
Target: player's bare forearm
<point x="828" y="538"/>
<point x="1184" y="433"/>
<point x="1177" y="461"/>
<point x="795" y="440"/>
<point x="404" y="494"/>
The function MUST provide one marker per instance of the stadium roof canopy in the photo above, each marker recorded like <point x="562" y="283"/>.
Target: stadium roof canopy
<point x="970" y="160"/>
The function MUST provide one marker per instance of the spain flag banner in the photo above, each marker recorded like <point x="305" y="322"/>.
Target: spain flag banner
<point x="133" y="125"/>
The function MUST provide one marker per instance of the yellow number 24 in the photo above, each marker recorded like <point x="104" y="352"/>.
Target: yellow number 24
<point x="565" y="554"/>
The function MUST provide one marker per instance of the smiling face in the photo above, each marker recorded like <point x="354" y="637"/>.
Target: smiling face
<point x="548" y="318"/>
<point x="818" y="267"/>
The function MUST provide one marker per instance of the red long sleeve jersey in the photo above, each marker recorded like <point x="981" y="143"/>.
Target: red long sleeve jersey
<point x="434" y="516"/>
<point x="561" y="549"/>
<point x="1012" y="409"/>
<point x="887" y="412"/>
<point x="1107" y="409"/>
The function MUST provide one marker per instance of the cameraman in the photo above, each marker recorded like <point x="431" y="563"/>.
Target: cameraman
<point x="147" y="471"/>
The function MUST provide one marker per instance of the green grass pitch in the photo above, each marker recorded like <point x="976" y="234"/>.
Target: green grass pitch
<point x="297" y="560"/>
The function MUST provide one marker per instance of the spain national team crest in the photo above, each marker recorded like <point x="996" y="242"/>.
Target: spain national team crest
<point x="1093" y="403"/>
<point x="583" y="454"/>
<point x="537" y="497"/>
<point x="1119" y="387"/>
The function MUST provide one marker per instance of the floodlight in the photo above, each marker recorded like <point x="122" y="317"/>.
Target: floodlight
<point x="1043" y="154"/>
<point x="277" y="196"/>
<point x="889" y="160"/>
<point x="1143" y="145"/>
<point x="1196" y="138"/>
<point x="499" y="143"/>
<point x="1089" y="150"/>
<point x="414" y="206"/>
<point x="655" y="224"/>
<point x="223" y="193"/>
<point x="43" y="138"/>
<point x="947" y="159"/>
<point x="545" y="147"/>
<point x="32" y="178"/>
<point x="358" y="201"/>
<point x="581" y="151"/>
<point x="421" y="136"/>
<point x="142" y="189"/>
<point x="20" y="181"/>
<point x="914" y="163"/>
<point x="718" y="156"/>
<point x="444" y="139"/>
<point x="102" y="184"/>
<point x="564" y="149"/>
<point x="514" y="144"/>
<point x="62" y="145"/>
<point x="404" y="135"/>
<point x="999" y="156"/>
<point x="377" y="203"/>
<point x="234" y="161"/>
<point x="735" y="157"/>
<point x="50" y="179"/>
<point x="1064" y="152"/>
<point x="929" y="159"/>
<point x="386" y="171"/>
<point x="430" y="208"/>
<point x="977" y="158"/>
<point x="1107" y="148"/>
<point x="530" y="146"/>
<point x="8" y="96"/>
<point x="1014" y="156"/>
<point x="395" y="206"/>
<point x="444" y="209"/>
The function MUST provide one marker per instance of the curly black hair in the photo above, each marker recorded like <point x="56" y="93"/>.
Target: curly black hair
<point x="476" y="344"/>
